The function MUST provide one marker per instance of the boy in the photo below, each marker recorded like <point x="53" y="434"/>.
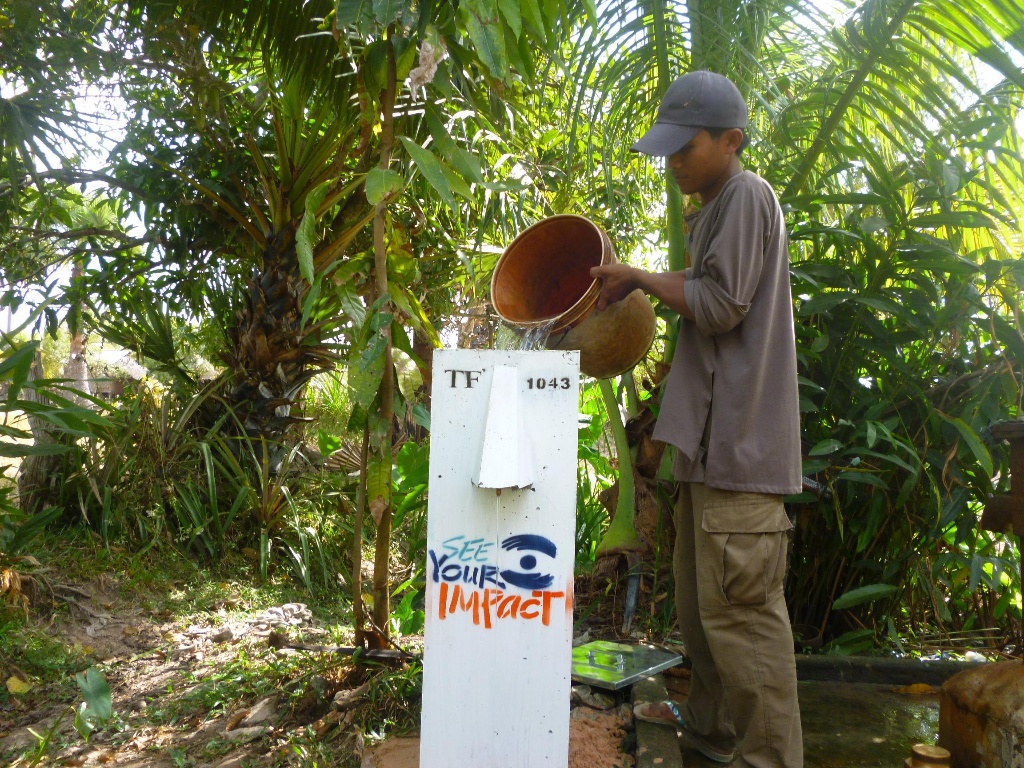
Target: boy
<point x="730" y="408"/>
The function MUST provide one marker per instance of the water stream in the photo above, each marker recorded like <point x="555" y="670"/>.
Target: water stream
<point x="510" y="337"/>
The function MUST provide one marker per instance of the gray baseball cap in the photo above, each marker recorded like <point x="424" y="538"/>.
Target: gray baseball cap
<point x="694" y="101"/>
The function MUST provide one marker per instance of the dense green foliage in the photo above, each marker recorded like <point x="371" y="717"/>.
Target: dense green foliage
<point x="310" y="193"/>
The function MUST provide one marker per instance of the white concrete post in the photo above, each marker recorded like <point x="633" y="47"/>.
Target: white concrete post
<point x="501" y="527"/>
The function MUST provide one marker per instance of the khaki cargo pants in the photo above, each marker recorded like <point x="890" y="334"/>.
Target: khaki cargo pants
<point x="730" y="564"/>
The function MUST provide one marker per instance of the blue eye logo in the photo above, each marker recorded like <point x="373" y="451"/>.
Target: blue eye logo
<point x="528" y="578"/>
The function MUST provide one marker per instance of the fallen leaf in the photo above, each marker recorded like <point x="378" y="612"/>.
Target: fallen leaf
<point x="325" y="723"/>
<point x="17" y="686"/>
<point x="917" y="689"/>
<point x="346" y="699"/>
<point x="235" y="719"/>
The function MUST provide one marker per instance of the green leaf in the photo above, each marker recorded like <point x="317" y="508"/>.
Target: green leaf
<point x="849" y="198"/>
<point x="894" y="635"/>
<point x="406" y="57"/>
<point x="15" y="368"/>
<point x="825" y="447"/>
<point x="874" y="224"/>
<point x="16" y="451"/>
<point x="968" y="219"/>
<point x="862" y="595"/>
<point x="431" y="169"/>
<point x="364" y="381"/>
<point x="348" y="296"/>
<point x="354" y="13"/>
<point x="378" y="478"/>
<point x="977" y="572"/>
<point x="813" y="466"/>
<point x="881" y="304"/>
<point x="96" y="693"/>
<point x="306" y="230"/>
<point x="1004" y="602"/>
<point x="421" y="415"/>
<point x="853" y="642"/>
<point x="891" y="458"/>
<point x="373" y="353"/>
<point x="375" y="67"/>
<point x="464" y="162"/>
<point x="484" y="24"/>
<point x="406" y="300"/>
<point x="310" y="301"/>
<point x="23" y="534"/>
<point x="823" y="302"/>
<point x="343" y="278"/>
<point x="973" y="442"/>
<point x="387" y="11"/>
<point x="807" y="383"/>
<point x="327" y="443"/>
<point x="532" y="16"/>
<point x="83" y="722"/>
<point x="867" y="478"/>
<point x="456" y="183"/>
<point x="513" y="15"/>
<point x="382" y="184"/>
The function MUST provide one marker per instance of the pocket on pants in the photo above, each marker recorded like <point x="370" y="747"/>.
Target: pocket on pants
<point x="746" y="537"/>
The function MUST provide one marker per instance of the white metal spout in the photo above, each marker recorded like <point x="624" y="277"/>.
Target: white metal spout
<point x="506" y="460"/>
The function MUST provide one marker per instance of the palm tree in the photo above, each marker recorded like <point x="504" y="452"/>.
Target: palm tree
<point x="367" y="151"/>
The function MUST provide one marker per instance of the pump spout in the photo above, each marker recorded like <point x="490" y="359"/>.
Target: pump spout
<point x="506" y="460"/>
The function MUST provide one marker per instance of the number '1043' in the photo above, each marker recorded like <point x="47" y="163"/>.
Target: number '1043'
<point x="552" y="383"/>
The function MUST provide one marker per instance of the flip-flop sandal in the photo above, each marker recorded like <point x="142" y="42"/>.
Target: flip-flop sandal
<point x="676" y="719"/>
<point x="691" y="739"/>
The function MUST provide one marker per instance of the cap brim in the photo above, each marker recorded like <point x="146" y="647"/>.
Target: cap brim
<point x="664" y="139"/>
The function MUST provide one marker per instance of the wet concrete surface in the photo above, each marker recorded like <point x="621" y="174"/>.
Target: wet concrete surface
<point x="863" y="725"/>
<point x="858" y="725"/>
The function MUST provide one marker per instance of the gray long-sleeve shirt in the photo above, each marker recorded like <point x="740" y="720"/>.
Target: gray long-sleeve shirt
<point x="734" y="367"/>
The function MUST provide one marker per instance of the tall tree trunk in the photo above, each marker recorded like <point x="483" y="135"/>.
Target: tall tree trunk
<point x="380" y="505"/>
<point x="77" y="367"/>
<point x="39" y="473"/>
<point x="358" y="610"/>
<point x="423" y="348"/>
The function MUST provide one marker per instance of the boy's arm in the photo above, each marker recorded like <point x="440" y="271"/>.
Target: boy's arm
<point x="733" y="257"/>
<point x="620" y="280"/>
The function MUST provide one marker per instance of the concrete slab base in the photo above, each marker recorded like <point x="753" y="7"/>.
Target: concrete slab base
<point x="657" y="746"/>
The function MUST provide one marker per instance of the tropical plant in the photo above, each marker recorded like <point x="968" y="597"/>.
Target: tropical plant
<point x="281" y="331"/>
<point x="94" y="711"/>
<point x="264" y="137"/>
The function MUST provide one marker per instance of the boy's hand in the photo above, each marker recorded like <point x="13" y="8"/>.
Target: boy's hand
<point x="617" y="282"/>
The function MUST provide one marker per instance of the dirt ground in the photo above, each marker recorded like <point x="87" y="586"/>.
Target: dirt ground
<point x="178" y="700"/>
<point x="157" y="669"/>
<point x="595" y="741"/>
